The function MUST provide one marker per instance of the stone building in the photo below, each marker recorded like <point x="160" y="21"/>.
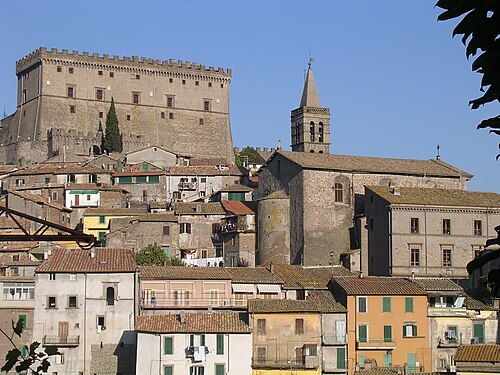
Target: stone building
<point x="414" y="231"/>
<point x="62" y="98"/>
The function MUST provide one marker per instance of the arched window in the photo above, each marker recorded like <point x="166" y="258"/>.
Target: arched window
<point x="110" y="296"/>
<point x="320" y="132"/>
<point x="311" y="131"/>
<point x="339" y="192"/>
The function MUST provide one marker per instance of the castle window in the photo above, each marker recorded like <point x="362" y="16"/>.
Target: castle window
<point x="100" y="72"/>
<point x="70" y="91"/>
<point x="24" y="96"/>
<point x="163" y="115"/>
<point x="111" y="74"/>
<point x="128" y="117"/>
<point x="446" y="252"/>
<point x="415" y="256"/>
<point x="196" y="83"/>
<point x="311" y="131"/>
<point x="59" y="69"/>
<point x="171" y="115"/>
<point x="339" y="192"/>
<point x="136" y="97"/>
<point x="110" y="296"/>
<point x="221" y="85"/>
<point x="101" y="114"/>
<point x="99" y="94"/>
<point x="478" y="228"/>
<point x="207" y="105"/>
<point x="320" y="132"/>
<point x="170" y="101"/>
<point x="209" y="84"/>
<point x="202" y="121"/>
<point x="170" y="80"/>
<point x="183" y="81"/>
<point x="414" y="225"/>
<point x="70" y="70"/>
<point x="137" y="76"/>
<point x="72" y="109"/>
<point x="446" y="226"/>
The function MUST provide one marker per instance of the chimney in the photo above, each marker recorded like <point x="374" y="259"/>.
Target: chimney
<point x="395" y="191"/>
<point x="92" y="253"/>
<point x="361" y="275"/>
<point x="182" y="317"/>
<point x="198" y="208"/>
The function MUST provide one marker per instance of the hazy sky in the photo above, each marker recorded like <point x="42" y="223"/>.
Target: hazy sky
<point x="396" y="83"/>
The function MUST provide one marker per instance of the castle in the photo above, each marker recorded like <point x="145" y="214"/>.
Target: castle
<point x="63" y="99"/>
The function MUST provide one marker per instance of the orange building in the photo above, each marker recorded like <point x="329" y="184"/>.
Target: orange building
<point x="387" y="323"/>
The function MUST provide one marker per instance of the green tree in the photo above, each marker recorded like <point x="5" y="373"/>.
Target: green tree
<point x="29" y="359"/>
<point x="153" y="255"/>
<point x="480" y="30"/>
<point x="252" y="155"/>
<point x="112" y="141"/>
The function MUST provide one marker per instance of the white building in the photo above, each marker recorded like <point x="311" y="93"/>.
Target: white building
<point x="85" y="305"/>
<point x="218" y="343"/>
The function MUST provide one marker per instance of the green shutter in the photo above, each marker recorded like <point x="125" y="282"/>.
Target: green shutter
<point x="409" y="304"/>
<point x="169" y="345"/>
<point x="140" y="179"/>
<point x="479" y="332"/>
<point x="202" y="340"/>
<point x="219" y="369"/>
<point x="387" y="359"/>
<point x="362" y="333"/>
<point x="22" y="318"/>
<point x="387" y="333"/>
<point x="412" y="363"/>
<point x="125" y="180"/>
<point x="415" y="334"/>
<point x="169" y="370"/>
<point x="191" y="340"/>
<point x="386" y="304"/>
<point x="236" y="197"/>
<point x="220" y="344"/>
<point x="154" y="179"/>
<point x="340" y="358"/>
<point x="362" y="361"/>
<point x="191" y="369"/>
<point x="102" y="219"/>
<point x="24" y="351"/>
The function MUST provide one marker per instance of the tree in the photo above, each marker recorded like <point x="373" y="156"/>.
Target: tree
<point x="154" y="255"/>
<point x="29" y="359"/>
<point x="112" y="141"/>
<point x="252" y="155"/>
<point x="480" y="30"/>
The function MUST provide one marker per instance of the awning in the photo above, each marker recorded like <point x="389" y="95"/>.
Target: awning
<point x="243" y="288"/>
<point x="269" y="288"/>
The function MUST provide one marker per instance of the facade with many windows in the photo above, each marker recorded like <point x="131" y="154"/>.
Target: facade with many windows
<point x="427" y="232"/>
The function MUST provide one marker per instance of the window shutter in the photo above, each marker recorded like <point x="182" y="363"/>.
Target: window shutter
<point x="169" y="370"/>
<point x="340" y="358"/>
<point x="191" y="340"/>
<point x="220" y="344"/>
<point x="202" y="340"/>
<point x="408" y="304"/>
<point x="219" y="369"/>
<point x="169" y="347"/>
<point x="415" y="331"/>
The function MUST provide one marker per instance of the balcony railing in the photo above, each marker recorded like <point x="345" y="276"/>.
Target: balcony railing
<point x="308" y="362"/>
<point x="61" y="340"/>
<point x="162" y="303"/>
<point x="386" y="343"/>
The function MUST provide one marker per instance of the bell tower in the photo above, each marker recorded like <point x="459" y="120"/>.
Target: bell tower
<point x="310" y="122"/>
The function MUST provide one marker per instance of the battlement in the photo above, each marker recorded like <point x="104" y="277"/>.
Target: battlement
<point x="106" y="59"/>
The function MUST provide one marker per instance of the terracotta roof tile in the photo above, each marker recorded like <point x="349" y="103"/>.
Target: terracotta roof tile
<point x="298" y="277"/>
<point x="115" y="211"/>
<point x="160" y="217"/>
<point x="438" y="284"/>
<point x="18" y="246"/>
<point x="474" y="304"/>
<point x="60" y="168"/>
<point x="196" y="208"/>
<point x="377" y="371"/>
<point x="237" y="187"/>
<point x="252" y="275"/>
<point x="438" y="197"/>
<point x="183" y="273"/>
<point x="198" y="322"/>
<point x="349" y="163"/>
<point x="106" y="260"/>
<point x="25" y="259"/>
<point x="7" y="168"/>
<point x="325" y="301"/>
<point x="7" y="223"/>
<point x="378" y="285"/>
<point x="478" y="353"/>
<point x="320" y="304"/>
<point x="198" y="161"/>
<point x="205" y="170"/>
<point x="240" y="208"/>
<point x="40" y="200"/>
<point x="99" y="186"/>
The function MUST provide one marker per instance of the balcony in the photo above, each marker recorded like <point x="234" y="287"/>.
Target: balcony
<point x="383" y="344"/>
<point x="168" y="303"/>
<point x="337" y="338"/>
<point x="187" y="186"/>
<point x="67" y="341"/>
<point x="196" y="353"/>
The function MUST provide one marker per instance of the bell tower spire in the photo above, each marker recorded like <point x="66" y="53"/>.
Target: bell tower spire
<point x="310" y="123"/>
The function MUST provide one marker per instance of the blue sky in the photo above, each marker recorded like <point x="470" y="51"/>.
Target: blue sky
<point x="396" y="83"/>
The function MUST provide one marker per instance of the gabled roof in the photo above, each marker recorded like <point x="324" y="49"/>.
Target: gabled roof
<point x="105" y="260"/>
<point x="237" y="188"/>
<point x="114" y="212"/>
<point x="197" y="208"/>
<point x="197" y="161"/>
<point x="437" y="197"/>
<point x="378" y="285"/>
<point x="204" y="170"/>
<point x="299" y="277"/>
<point x="39" y="199"/>
<point x="240" y="208"/>
<point x="25" y="259"/>
<point x="99" y="186"/>
<point x="197" y="322"/>
<point x="183" y="273"/>
<point x="435" y="284"/>
<point x="18" y="246"/>
<point x="60" y="168"/>
<point x="257" y="275"/>
<point x="347" y="163"/>
<point x="478" y="353"/>
<point x="317" y="304"/>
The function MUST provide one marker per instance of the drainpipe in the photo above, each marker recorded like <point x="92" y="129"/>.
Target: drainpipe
<point x="390" y="239"/>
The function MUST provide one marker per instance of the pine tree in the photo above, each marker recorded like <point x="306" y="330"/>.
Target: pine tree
<point x="112" y="141"/>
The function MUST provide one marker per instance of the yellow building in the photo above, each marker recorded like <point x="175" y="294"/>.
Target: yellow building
<point x="387" y="324"/>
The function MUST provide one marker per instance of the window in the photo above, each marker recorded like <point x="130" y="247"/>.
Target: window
<point x="386" y="304"/>
<point x="370" y="224"/>
<point x="362" y="333"/>
<point x="409" y="304"/>
<point x="70" y="91"/>
<point x="170" y="102"/>
<point x="476" y="250"/>
<point x="59" y="69"/>
<point x="341" y="362"/>
<point x="201" y="121"/>
<point x="166" y="230"/>
<point x="72" y="109"/>
<point x="446" y="257"/>
<point x="451" y="334"/>
<point x="18" y="291"/>
<point x="446" y="226"/>
<point x="478" y="228"/>
<point x="15" y="258"/>
<point x="99" y="72"/>
<point x="196" y="83"/>
<point x="24" y="96"/>
<point x="168" y="370"/>
<point x="185" y="228"/>
<point x="52" y="276"/>
<point x="99" y="94"/>
<point x="171" y="115"/>
<point x="101" y="114"/>
<point x="23" y="319"/>
<point x="220" y="344"/>
<point x="136" y="97"/>
<point x="72" y="276"/>
<point x="111" y="74"/>
<point x="261" y="354"/>
<point x="170" y="80"/>
<point x="339" y="192"/>
<point x="168" y="345"/>
<point x="183" y="81"/>
<point x="220" y="369"/>
<point x="387" y="333"/>
<point x="309" y="350"/>
<point x="102" y="219"/>
<point x="110" y="296"/>
<point x="410" y="330"/>
<point x="478" y="332"/>
<point x="209" y="84"/>
<point x="415" y="256"/>
<point x="71" y="70"/>
<point x="221" y="85"/>
<point x="128" y="117"/>
<point x="20" y="182"/>
<point x="299" y="326"/>
<point x="163" y="115"/>
<point x="51" y="302"/>
<point x="206" y="105"/>
<point x="362" y="305"/>
<point x="414" y="225"/>
<point x="72" y="302"/>
<point x="261" y="326"/>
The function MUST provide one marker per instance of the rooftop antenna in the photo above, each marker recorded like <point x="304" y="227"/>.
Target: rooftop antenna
<point x="309" y="63"/>
<point x="438" y="157"/>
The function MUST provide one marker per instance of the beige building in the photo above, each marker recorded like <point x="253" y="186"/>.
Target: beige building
<point x="63" y="96"/>
<point x="427" y="232"/>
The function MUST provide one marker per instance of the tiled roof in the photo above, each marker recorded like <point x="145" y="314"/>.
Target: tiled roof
<point x="115" y="211"/>
<point x="7" y="168"/>
<point x="7" y="223"/>
<point x="196" y="208"/>
<point x="60" y="168"/>
<point x="326" y="302"/>
<point x="438" y="197"/>
<point x="183" y="273"/>
<point x="378" y="285"/>
<point x="298" y="277"/>
<point x="106" y="260"/>
<point x="377" y="371"/>
<point x="204" y="170"/>
<point x="197" y="161"/>
<point x="438" y="284"/>
<point x="196" y="322"/>
<point x="478" y="353"/>
<point x="101" y="187"/>
<point x="290" y="306"/>
<point x="349" y="163"/>
<point x="240" y="208"/>
<point x="474" y="304"/>
<point x="161" y="217"/>
<point x="18" y="246"/>
<point x="251" y="275"/>
<point x="138" y="173"/>
<point x="40" y="200"/>
<point x="25" y="259"/>
<point x="280" y="194"/>
<point x="237" y="187"/>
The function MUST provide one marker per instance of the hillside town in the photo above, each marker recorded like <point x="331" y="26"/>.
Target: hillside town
<point x="180" y="254"/>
